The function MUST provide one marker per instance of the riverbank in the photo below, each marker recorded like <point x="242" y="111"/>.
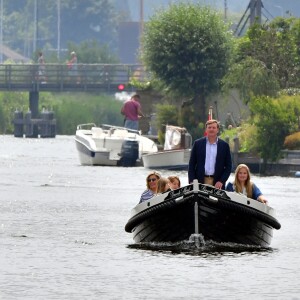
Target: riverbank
<point x="285" y="167"/>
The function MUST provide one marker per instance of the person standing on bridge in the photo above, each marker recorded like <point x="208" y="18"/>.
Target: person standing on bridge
<point x="132" y="111"/>
<point x="42" y="68"/>
<point x="73" y="66"/>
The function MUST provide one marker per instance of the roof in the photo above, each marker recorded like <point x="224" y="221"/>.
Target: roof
<point x="11" y="54"/>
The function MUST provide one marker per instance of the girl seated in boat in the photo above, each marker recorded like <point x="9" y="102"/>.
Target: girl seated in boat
<point x="242" y="184"/>
<point x="151" y="183"/>
<point x="174" y="182"/>
<point x="163" y="185"/>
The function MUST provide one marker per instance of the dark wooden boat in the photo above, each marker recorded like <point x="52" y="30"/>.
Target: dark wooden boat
<point x="217" y="215"/>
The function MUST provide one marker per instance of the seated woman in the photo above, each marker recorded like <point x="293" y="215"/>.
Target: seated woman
<point x="163" y="185"/>
<point x="174" y="182"/>
<point x="242" y="184"/>
<point x="151" y="183"/>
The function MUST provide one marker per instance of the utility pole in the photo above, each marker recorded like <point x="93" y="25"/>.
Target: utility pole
<point x="1" y="33"/>
<point x="141" y="18"/>
<point x="255" y="11"/>
<point x="254" y="7"/>
<point x="35" y="26"/>
<point x="141" y="23"/>
<point x="58" y="29"/>
<point x="225" y="10"/>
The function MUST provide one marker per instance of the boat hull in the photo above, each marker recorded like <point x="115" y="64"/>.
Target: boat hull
<point x="88" y="157"/>
<point x="168" y="159"/>
<point x="111" y="145"/>
<point x="213" y="214"/>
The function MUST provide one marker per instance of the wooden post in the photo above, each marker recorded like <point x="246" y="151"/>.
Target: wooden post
<point x="34" y="108"/>
<point x="34" y="104"/>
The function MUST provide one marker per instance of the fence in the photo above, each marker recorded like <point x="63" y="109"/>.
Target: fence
<point x="57" y="77"/>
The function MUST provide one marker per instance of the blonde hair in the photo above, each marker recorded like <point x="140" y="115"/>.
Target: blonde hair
<point x="150" y="174"/>
<point x="161" y="185"/>
<point x="212" y="121"/>
<point x="173" y="178"/>
<point x="248" y="183"/>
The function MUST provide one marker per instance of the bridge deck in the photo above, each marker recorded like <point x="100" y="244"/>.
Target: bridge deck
<point x="57" y="77"/>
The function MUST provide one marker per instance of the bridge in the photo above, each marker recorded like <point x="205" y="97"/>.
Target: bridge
<point x="58" y="78"/>
<point x="34" y="78"/>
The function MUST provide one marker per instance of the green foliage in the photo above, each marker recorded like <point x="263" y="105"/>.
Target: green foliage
<point x="229" y="134"/>
<point x="267" y="59"/>
<point x="90" y="52"/>
<point x="274" y="121"/>
<point x="292" y="142"/>
<point x="80" y="21"/>
<point x="290" y="92"/>
<point x="166" y="115"/>
<point x="247" y="135"/>
<point x="2" y="119"/>
<point x="187" y="47"/>
<point x="9" y="103"/>
<point x="140" y="85"/>
<point x="188" y="120"/>
<point x="252" y="78"/>
<point x="70" y="109"/>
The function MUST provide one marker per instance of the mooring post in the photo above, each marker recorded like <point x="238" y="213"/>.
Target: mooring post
<point x="34" y="108"/>
<point x="34" y="104"/>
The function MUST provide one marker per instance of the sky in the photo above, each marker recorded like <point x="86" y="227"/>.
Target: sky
<point x="272" y="7"/>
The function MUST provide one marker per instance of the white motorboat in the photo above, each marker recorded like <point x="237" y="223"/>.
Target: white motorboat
<point x="110" y="145"/>
<point x="176" y="153"/>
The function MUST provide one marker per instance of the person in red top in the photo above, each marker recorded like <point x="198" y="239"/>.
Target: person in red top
<point x="132" y="111"/>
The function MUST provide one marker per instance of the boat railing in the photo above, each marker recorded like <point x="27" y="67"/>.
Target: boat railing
<point x="86" y="126"/>
<point x="107" y="126"/>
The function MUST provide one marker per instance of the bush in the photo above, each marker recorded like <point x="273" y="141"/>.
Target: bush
<point x="292" y="141"/>
<point x="246" y="134"/>
<point x="70" y="109"/>
<point x="166" y="115"/>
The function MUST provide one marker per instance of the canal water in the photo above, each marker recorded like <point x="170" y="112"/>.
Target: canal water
<point x="62" y="235"/>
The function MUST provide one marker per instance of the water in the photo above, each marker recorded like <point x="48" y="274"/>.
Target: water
<point x="62" y="236"/>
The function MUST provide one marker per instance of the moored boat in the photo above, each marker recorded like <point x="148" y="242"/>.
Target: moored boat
<point x="109" y="145"/>
<point x="176" y="152"/>
<point x="217" y="215"/>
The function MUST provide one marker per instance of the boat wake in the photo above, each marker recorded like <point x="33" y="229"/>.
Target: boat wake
<point x="196" y="245"/>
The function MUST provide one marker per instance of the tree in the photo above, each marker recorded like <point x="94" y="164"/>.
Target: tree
<point x="79" y="21"/>
<point x="274" y="120"/>
<point x="270" y="51"/>
<point x="188" y="48"/>
<point x="252" y="78"/>
<point x="91" y="52"/>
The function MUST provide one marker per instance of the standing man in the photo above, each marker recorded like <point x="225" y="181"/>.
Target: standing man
<point x="73" y="67"/>
<point x="210" y="161"/>
<point x="41" y="73"/>
<point x="132" y="112"/>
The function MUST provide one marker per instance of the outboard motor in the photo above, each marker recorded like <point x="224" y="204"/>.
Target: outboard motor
<point x="129" y="153"/>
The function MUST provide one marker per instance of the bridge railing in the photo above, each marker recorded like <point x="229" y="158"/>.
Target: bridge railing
<point x="58" y="77"/>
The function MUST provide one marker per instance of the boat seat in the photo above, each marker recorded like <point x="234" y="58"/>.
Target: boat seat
<point x="97" y="132"/>
<point x="121" y="133"/>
